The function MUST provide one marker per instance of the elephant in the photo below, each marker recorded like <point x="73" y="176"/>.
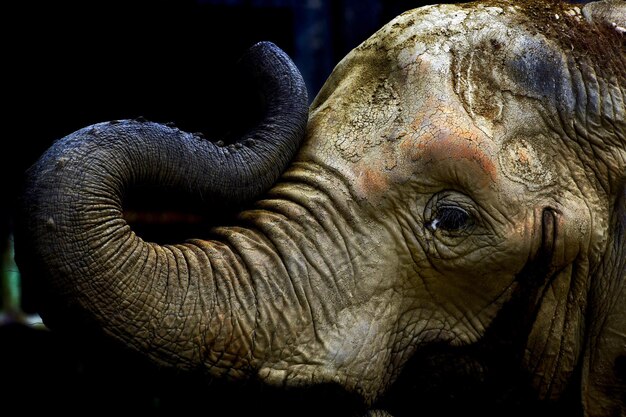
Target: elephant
<point x="445" y="223"/>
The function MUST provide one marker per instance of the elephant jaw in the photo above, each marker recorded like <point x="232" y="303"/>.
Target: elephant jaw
<point x="354" y="358"/>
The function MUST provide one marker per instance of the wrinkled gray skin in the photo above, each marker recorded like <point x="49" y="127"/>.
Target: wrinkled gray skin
<point x="462" y="160"/>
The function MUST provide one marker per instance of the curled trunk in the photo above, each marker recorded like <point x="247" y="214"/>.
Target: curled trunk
<point x="88" y="263"/>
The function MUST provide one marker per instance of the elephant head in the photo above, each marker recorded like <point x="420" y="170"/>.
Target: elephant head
<point x="457" y="209"/>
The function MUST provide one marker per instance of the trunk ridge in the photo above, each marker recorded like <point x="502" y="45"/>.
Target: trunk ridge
<point x="90" y="268"/>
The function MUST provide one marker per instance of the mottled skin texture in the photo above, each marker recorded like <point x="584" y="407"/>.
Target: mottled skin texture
<point x="461" y="184"/>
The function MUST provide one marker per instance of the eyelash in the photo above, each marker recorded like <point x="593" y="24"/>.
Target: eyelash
<point x="450" y="214"/>
<point x="450" y="218"/>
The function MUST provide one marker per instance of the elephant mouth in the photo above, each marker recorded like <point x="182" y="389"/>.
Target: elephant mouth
<point x="439" y="380"/>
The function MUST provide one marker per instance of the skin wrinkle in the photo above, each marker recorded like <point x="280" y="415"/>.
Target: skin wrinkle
<point x="328" y="271"/>
<point x="203" y="249"/>
<point x="217" y="266"/>
<point x="547" y="388"/>
<point x="275" y="249"/>
<point x="328" y="227"/>
<point x="546" y="288"/>
<point x="597" y="153"/>
<point x="141" y="305"/>
<point x="217" y="315"/>
<point x="181" y="261"/>
<point x="146" y="290"/>
<point x="157" y="320"/>
<point x="333" y="209"/>
<point x="370" y="359"/>
<point x="599" y="169"/>
<point x="205" y="265"/>
<point x="241" y="270"/>
<point x="469" y="325"/>
<point x="300" y="296"/>
<point x="184" y="254"/>
<point x="131" y="243"/>
<point x="364" y="372"/>
<point x="550" y="382"/>
<point x="121" y="287"/>
<point x="616" y="106"/>
<point x="458" y="317"/>
<point x="323" y="270"/>
<point x="416" y="261"/>
<point x="404" y="348"/>
<point x="536" y="369"/>
<point x="103" y="241"/>
<point x="291" y="280"/>
<point x="271" y="250"/>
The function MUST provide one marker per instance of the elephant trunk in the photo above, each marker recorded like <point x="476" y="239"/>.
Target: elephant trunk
<point x="74" y="243"/>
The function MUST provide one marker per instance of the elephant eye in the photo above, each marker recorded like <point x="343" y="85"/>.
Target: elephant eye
<point x="450" y="218"/>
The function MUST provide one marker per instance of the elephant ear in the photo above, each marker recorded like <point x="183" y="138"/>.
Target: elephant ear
<point x="607" y="12"/>
<point x="604" y="371"/>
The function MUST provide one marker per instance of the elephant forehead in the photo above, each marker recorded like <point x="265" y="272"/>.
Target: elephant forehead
<point x="447" y="71"/>
<point x="488" y="54"/>
<point x="448" y="136"/>
<point x="435" y="28"/>
<point x="440" y="144"/>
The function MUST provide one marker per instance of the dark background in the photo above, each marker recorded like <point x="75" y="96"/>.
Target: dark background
<point x="68" y="65"/>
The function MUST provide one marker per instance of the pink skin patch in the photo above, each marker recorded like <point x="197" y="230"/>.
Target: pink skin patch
<point x="442" y="145"/>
